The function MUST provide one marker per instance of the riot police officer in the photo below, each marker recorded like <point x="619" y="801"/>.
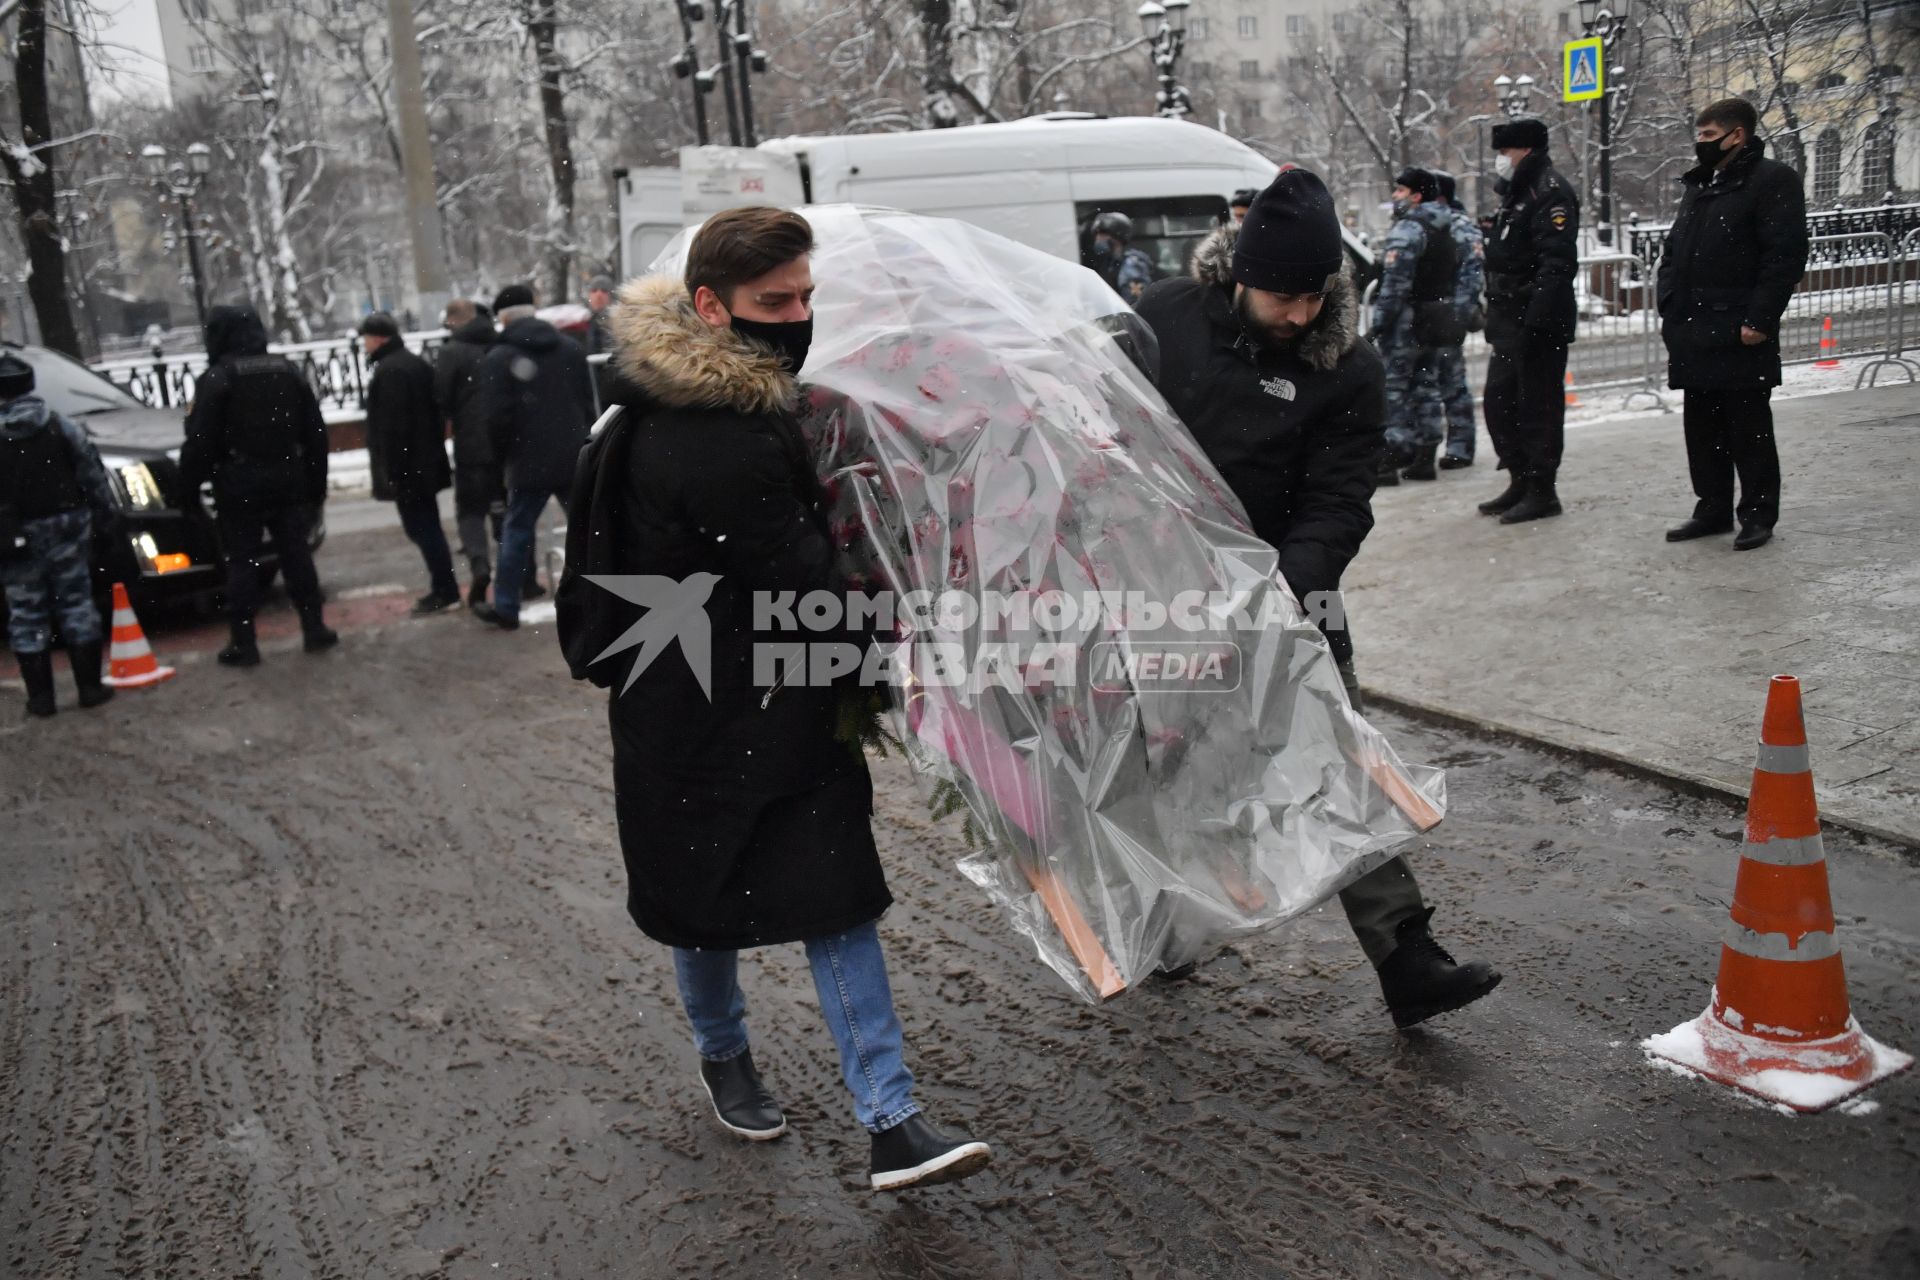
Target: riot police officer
<point x="1532" y="257"/>
<point x="1126" y="270"/>
<point x="1469" y="279"/>
<point x="1412" y="318"/>
<point x="50" y="476"/>
<point x="256" y="432"/>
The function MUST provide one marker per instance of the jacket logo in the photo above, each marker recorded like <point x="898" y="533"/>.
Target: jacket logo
<point x="1277" y="387"/>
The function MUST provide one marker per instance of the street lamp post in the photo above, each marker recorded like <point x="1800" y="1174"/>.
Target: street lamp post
<point x="1511" y="93"/>
<point x="181" y="181"/>
<point x="1165" y="25"/>
<point x="1607" y="19"/>
<point x="686" y="66"/>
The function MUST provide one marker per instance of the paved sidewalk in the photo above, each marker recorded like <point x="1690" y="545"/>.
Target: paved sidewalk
<point x="1592" y="632"/>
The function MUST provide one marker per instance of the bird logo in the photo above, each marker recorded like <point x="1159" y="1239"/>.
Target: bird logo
<point x="675" y="610"/>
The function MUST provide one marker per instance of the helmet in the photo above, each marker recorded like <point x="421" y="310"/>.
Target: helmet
<point x="1117" y="225"/>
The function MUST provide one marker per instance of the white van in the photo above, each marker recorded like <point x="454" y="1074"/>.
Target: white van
<point x="1039" y="181"/>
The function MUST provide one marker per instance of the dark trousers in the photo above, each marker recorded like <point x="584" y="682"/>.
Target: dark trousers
<point x="1730" y="433"/>
<point x="420" y="517"/>
<point x="1526" y="407"/>
<point x="1379" y="901"/>
<point x="243" y="531"/>
<point x="517" y="567"/>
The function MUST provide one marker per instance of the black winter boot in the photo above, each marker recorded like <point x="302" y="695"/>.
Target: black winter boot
<point x="914" y="1153"/>
<point x="1516" y="490"/>
<point x="242" y="649"/>
<point x="1422" y="468"/>
<point x="1540" y="502"/>
<point x="86" y="674"/>
<point x="741" y="1102"/>
<point x="315" y="635"/>
<point x="1419" y="978"/>
<point x="479" y="579"/>
<point x="36" y="669"/>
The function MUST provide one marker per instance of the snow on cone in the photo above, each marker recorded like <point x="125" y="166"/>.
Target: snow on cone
<point x="1779" y="1024"/>
<point x="131" y="663"/>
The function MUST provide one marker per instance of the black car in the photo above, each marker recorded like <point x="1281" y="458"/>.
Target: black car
<point x="168" y="548"/>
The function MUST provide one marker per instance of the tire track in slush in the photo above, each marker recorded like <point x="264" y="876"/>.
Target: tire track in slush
<point x="341" y="984"/>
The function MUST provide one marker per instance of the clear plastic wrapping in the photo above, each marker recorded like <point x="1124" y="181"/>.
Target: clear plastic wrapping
<point x="1101" y="663"/>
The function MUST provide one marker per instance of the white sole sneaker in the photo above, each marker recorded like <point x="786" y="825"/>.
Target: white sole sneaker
<point x="963" y="1161"/>
<point x="751" y="1135"/>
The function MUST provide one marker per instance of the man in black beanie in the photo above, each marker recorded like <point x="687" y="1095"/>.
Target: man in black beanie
<point x="1532" y="257"/>
<point x="1262" y="358"/>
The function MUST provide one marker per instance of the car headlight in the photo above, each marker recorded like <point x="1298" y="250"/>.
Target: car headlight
<point x="139" y="491"/>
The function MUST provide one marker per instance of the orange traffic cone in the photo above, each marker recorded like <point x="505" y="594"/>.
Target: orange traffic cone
<point x="1779" y="1025"/>
<point x="1572" y="399"/>
<point x="131" y="664"/>
<point x="1827" y="360"/>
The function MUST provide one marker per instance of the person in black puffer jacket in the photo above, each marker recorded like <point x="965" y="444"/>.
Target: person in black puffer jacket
<point x="538" y="401"/>
<point x="479" y="481"/>
<point x="256" y="432"/>
<point x="1736" y="251"/>
<point x="1262" y="358"/>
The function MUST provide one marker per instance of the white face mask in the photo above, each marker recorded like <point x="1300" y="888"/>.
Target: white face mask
<point x="1503" y="166"/>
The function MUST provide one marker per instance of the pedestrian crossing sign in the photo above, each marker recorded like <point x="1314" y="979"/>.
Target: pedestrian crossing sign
<point x="1583" y="75"/>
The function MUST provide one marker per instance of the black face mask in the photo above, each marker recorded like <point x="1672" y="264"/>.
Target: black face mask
<point x="1710" y="154"/>
<point x="790" y="339"/>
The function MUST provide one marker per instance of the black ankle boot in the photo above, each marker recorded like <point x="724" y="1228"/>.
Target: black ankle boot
<point x="478" y="580"/>
<point x="1419" y="979"/>
<point x="914" y="1153"/>
<point x="315" y="635"/>
<point x="1540" y="502"/>
<point x="1516" y="490"/>
<point x="242" y="649"/>
<point x="36" y="669"/>
<point x="741" y="1102"/>
<point x="1422" y="468"/>
<point x="86" y="674"/>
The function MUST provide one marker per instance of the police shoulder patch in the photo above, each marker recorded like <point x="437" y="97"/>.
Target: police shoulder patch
<point x="1558" y="217"/>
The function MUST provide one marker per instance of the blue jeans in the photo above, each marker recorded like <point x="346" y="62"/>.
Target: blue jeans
<point x="850" y="975"/>
<point x="516" y="546"/>
<point x="420" y="517"/>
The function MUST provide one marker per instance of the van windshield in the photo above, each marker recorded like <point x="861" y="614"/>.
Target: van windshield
<point x="1167" y="229"/>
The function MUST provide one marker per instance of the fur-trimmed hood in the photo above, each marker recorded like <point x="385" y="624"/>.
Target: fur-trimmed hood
<point x="1332" y="334"/>
<point x="662" y="345"/>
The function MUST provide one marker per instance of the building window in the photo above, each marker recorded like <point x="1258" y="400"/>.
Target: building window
<point x="1199" y="29"/>
<point x="1340" y="24"/>
<point x="1876" y="160"/>
<point x="200" y="57"/>
<point x="1249" y="27"/>
<point x="1202" y="70"/>
<point x="1529" y="22"/>
<point x="1826" y="167"/>
<point x="1297" y="68"/>
<point x="1249" y="108"/>
<point x="1293" y="24"/>
<point x="1249" y="69"/>
<point x="1566" y="23"/>
<point x="1833" y="80"/>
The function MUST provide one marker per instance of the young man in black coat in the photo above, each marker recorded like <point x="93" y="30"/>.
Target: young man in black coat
<point x="745" y="819"/>
<point x="1532" y="257"/>
<point x="479" y="484"/>
<point x="406" y="445"/>
<point x="256" y="432"/>
<point x="1736" y="251"/>
<point x="538" y="403"/>
<point x="1262" y="358"/>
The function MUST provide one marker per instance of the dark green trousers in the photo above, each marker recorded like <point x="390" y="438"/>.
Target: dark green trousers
<point x="1377" y="902"/>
